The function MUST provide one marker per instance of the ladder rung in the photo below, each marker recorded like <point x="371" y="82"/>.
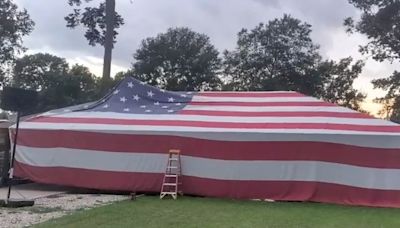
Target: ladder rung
<point x="169" y="193"/>
<point x="172" y="167"/>
<point x="173" y="159"/>
<point x="170" y="184"/>
<point x="171" y="175"/>
<point x="174" y="151"/>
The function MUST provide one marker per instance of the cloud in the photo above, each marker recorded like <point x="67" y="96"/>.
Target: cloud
<point x="221" y="20"/>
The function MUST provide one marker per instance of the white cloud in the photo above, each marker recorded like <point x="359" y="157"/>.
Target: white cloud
<point x="221" y="20"/>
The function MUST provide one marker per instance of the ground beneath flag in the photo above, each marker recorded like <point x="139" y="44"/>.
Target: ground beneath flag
<point x="150" y="211"/>
<point x="32" y="191"/>
<point x="58" y="207"/>
<point x="50" y="202"/>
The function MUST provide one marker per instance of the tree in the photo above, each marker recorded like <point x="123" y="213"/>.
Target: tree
<point x="123" y="74"/>
<point x="14" y="24"/>
<point x="338" y="88"/>
<point x="391" y="101"/>
<point x="100" y="23"/>
<point x="82" y="85"/>
<point x="380" y="22"/>
<point x="57" y="84"/>
<point x="279" y="55"/>
<point x="179" y="59"/>
<point x="39" y="71"/>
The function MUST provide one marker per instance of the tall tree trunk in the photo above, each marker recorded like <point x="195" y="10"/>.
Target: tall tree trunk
<point x="109" y="38"/>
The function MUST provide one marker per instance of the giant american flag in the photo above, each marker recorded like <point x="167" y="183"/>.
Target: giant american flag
<point x="277" y="145"/>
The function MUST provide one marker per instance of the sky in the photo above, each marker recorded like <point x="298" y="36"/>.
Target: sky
<point x="221" y="20"/>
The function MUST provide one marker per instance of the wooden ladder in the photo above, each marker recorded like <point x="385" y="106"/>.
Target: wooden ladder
<point x="172" y="174"/>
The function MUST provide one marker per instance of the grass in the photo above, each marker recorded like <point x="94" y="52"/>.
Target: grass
<point x="149" y="211"/>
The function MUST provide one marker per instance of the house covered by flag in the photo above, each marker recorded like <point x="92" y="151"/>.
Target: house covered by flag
<point x="274" y="145"/>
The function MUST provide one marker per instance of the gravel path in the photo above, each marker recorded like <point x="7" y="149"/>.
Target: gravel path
<point x="53" y="207"/>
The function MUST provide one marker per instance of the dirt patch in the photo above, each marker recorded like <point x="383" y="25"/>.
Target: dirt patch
<point x="53" y="207"/>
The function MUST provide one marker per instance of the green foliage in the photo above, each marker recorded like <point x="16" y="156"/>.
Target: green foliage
<point x="391" y="101"/>
<point x="123" y="74"/>
<point x="93" y="19"/>
<point x="14" y="24"/>
<point x="380" y="22"/>
<point x="83" y="85"/>
<point x="279" y="55"/>
<point x="39" y="71"/>
<point x="105" y="85"/>
<point x="57" y="84"/>
<point x="179" y="59"/>
<point x="339" y="84"/>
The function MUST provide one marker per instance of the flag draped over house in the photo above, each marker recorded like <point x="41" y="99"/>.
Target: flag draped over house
<point x="275" y="145"/>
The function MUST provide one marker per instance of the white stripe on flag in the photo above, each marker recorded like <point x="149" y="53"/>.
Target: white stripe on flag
<point x="199" y="98"/>
<point x="269" y="109"/>
<point x="326" y="172"/>
<point x="245" y="92"/>
<point x="155" y="128"/>
<point x="231" y="119"/>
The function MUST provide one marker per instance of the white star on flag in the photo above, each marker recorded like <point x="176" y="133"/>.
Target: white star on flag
<point x="157" y="103"/>
<point x="183" y="95"/>
<point x="130" y="84"/>
<point x="122" y="99"/>
<point x="148" y="110"/>
<point x="116" y="91"/>
<point x="164" y="106"/>
<point x="170" y="110"/>
<point x="126" y="109"/>
<point x="177" y="104"/>
<point x="105" y="106"/>
<point x="150" y="94"/>
<point x="171" y="99"/>
<point x="189" y="92"/>
<point x="136" y="97"/>
<point x="143" y="106"/>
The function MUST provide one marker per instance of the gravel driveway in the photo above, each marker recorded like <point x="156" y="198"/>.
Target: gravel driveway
<point x="53" y="206"/>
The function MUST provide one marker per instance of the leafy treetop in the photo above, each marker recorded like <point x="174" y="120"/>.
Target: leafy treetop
<point x="93" y="19"/>
<point x="14" y="24"/>
<point x="179" y="59"/>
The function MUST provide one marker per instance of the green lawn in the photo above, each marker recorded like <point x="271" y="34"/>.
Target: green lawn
<point x="149" y="211"/>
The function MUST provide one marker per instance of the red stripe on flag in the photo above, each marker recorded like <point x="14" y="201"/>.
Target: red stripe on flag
<point x="249" y="94"/>
<point x="277" y="114"/>
<point x="277" y="190"/>
<point x="205" y="124"/>
<point x="228" y="150"/>
<point x="263" y="104"/>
